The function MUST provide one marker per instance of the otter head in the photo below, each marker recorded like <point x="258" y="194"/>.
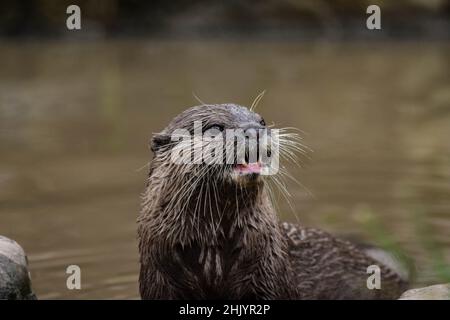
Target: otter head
<point x="224" y="143"/>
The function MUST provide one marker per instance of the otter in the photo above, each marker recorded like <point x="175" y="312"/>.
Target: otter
<point x="211" y="232"/>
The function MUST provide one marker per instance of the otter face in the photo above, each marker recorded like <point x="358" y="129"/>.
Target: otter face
<point x="225" y="141"/>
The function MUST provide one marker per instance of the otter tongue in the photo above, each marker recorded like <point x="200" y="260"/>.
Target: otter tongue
<point x="249" y="168"/>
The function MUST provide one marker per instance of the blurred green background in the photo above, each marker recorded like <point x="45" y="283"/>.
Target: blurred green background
<point x="77" y="109"/>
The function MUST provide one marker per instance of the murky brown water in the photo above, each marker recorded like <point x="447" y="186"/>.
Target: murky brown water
<point x="75" y="120"/>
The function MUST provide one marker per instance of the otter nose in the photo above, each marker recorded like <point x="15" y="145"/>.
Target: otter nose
<point x="251" y="131"/>
<point x="252" y="136"/>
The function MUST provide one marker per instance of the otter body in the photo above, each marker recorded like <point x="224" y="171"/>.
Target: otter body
<point x="210" y="232"/>
<point x="211" y="252"/>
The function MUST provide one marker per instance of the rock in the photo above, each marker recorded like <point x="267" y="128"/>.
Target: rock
<point x="15" y="283"/>
<point x="436" y="292"/>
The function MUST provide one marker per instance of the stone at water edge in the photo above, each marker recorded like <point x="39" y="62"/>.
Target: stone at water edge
<point x="436" y="292"/>
<point x="15" y="281"/>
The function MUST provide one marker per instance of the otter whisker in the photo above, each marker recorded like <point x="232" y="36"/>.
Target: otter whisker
<point x="197" y="98"/>
<point x="196" y="209"/>
<point x="285" y="173"/>
<point x="144" y="166"/>
<point x="257" y="99"/>
<point x="285" y="193"/>
<point x="192" y="188"/>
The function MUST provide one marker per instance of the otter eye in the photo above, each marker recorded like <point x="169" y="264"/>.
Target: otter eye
<point x="262" y="122"/>
<point x="217" y="127"/>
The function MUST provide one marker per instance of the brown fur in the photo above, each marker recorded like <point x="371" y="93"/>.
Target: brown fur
<point x="201" y="236"/>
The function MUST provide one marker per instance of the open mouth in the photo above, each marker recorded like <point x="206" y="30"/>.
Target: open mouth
<point x="248" y="168"/>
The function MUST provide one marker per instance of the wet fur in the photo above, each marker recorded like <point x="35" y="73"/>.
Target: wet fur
<point x="203" y="237"/>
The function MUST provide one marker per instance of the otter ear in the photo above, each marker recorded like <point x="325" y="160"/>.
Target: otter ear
<point x="159" y="140"/>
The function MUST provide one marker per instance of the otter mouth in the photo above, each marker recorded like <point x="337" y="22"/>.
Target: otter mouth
<point x="247" y="173"/>
<point x="248" y="168"/>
